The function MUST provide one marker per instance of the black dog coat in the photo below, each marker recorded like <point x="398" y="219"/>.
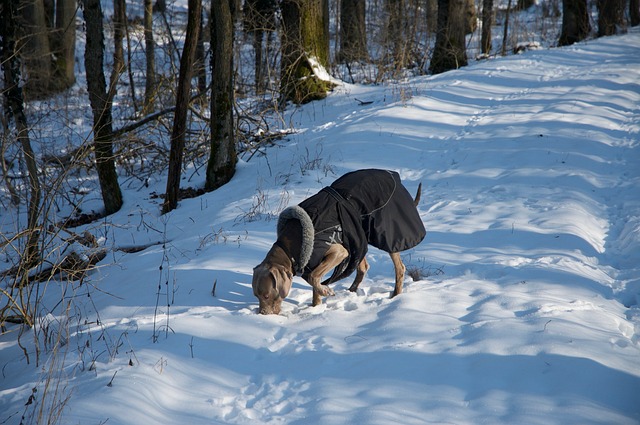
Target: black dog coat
<point x="360" y="208"/>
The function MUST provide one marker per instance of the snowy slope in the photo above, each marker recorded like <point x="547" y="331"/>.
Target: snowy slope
<point x="527" y="311"/>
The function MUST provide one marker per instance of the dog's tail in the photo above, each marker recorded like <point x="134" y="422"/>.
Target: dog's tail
<point x="418" y="193"/>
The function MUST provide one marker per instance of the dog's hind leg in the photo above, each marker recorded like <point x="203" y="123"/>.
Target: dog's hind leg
<point x="400" y="269"/>
<point x="361" y="271"/>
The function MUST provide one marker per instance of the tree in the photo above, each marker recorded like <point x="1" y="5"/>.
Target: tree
<point x="353" y="31"/>
<point x="101" y="107"/>
<point x="487" y="23"/>
<point x="259" y="18"/>
<point x="10" y="62"/>
<point x="610" y="16"/>
<point x="35" y="48"/>
<point x="64" y="45"/>
<point x="222" y="160"/>
<point x="396" y="32"/>
<point x="182" y="105"/>
<point x="450" y="50"/>
<point x="575" y="22"/>
<point x="305" y="49"/>
<point x="149" y="45"/>
<point x="634" y="12"/>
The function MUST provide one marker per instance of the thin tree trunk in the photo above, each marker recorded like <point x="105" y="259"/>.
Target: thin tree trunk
<point x="149" y="44"/>
<point x="101" y="108"/>
<point x="182" y="105"/>
<point x="506" y="29"/>
<point x="15" y="101"/>
<point x="222" y="160"/>
<point x="487" y="24"/>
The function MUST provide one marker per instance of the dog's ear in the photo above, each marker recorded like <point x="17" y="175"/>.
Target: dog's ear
<point x="284" y="279"/>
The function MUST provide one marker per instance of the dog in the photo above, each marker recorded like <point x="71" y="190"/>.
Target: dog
<point x="332" y="230"/>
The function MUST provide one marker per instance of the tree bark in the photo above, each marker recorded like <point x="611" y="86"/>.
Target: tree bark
<point x="35" y="49"/>
<point x="575" y="22"/>
<point x="305" y="40"/>
<point x="64" y="45"/>
<point x="353" y="31"/>
<point x="634" y="12"/>
<point x="101" y="107"/>
<point x="396" y="32"/>
<point x="222" y="160"/>
<point x="149" y="45"/>
<point x="487" y="23"/>
<point x="182" y="105"/>
<point x="450" y="49"/>
<point x="610" y="16"/>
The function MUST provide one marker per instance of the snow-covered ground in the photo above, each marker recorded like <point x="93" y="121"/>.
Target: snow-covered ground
<point x="527" y="309"/>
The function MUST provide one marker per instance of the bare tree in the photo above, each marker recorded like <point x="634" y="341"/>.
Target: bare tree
<point x="182" y="105"/>
<point x="450" y="49"/>
<point x="259" y="19"/>
<point x="397" y="20"/>
<point x="353" y="31"/>
<point x="101" y="107"/>
<point x="610" y="16"/>
<point x="305" y="46"/>
<point x="222" y="160"/>
<point x="10" y="62"/>
<point x="575" y="22"/>
<point x="149" y="44"/>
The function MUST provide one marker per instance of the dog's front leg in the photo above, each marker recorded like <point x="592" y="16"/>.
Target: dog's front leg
<point x="334" y="256"/>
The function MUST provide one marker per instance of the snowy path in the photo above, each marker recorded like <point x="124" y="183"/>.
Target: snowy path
<point x="531" y="168"/>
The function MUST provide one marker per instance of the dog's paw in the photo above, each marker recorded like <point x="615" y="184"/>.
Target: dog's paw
<point x="325" y="291"/>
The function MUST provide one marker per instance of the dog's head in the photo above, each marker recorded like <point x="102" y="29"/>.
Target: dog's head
<point x="271" y="284"/>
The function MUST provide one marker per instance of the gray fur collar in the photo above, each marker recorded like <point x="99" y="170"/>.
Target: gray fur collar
<point x="297" y="213"/>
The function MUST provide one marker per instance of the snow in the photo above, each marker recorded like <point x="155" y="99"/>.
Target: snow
<point x="527" y="311"/>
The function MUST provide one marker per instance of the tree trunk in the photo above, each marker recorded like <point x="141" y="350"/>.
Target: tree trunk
<point x="487" y="23"/>
<point x="575" y="22"/>
<point x="13" y="92"/>
<point x="182" y="105"/>
<point x="119" y="27"/>
<point x="353" y="31"/>
<point x="450" y="49"/>
<point x="634" y="12"/>
<point x="432" y="16"/>
<point x="149" y="45"/>
<point x="305" y="43"/>
<point x="222" y="161"/>
<point x="64" y="45"/>
<point x="259" y="18"/>
<point x="35" y="49"/>
<point x="610" y="16"/>
<point x="396" y="32"/>
<point x="101" y="108"/>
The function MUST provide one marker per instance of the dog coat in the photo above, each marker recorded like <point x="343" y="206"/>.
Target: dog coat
<point x="360" y="208"/>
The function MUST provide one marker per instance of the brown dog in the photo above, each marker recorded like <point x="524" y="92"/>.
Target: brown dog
<point x="331" y="230"/>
